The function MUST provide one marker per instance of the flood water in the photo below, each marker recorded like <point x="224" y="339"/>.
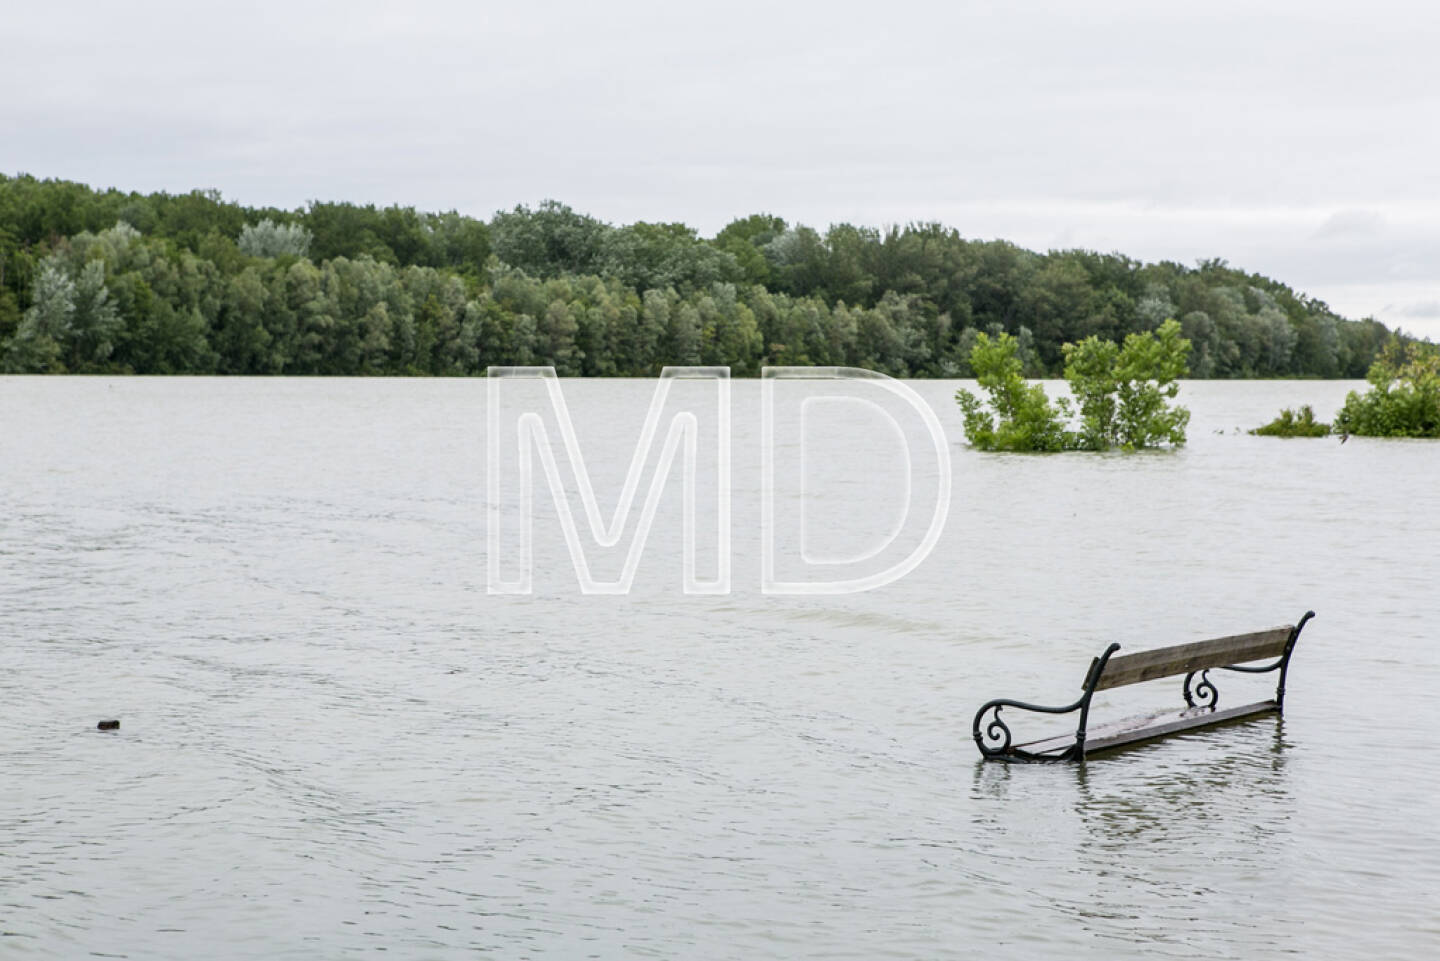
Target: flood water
<point x="335" y="743"/>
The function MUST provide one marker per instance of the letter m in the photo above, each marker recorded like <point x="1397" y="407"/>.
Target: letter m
<point x="532" y="440"/>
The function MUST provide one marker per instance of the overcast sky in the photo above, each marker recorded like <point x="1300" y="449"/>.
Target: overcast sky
<point x="1300" y="140"/>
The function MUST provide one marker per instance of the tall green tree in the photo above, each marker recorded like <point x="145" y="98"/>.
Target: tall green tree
<point x="38" y="344"/>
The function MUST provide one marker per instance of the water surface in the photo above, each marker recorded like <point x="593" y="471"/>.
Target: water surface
<point x="336" y="744"/>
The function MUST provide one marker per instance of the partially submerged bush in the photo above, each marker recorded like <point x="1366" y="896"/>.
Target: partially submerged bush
<point x="1021" y="416"/>
<point x="1404" y="399"/>
<point x="1122" y="391"/>
<point x="1090" y="369"/>
<point x="1293" y="424"/>
<point x="1122" y="394"/>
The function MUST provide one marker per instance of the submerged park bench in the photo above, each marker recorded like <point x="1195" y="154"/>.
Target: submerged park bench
<point x="1202" y="699"/>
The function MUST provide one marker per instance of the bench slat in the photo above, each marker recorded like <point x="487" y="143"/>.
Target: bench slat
<point x="1184" y="658"/>
<point x="1144" y="727"/>
<point x="1183" y="721"/>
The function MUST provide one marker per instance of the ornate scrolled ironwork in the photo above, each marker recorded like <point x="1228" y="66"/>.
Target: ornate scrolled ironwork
<point x="1203" y="694"/>
<point x="1001" y="744"/>
<point x="997" y="738"/>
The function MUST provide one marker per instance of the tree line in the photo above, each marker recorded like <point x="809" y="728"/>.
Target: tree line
<point x="105" y="281"/>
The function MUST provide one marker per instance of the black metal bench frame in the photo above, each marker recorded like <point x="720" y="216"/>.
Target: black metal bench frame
<point x="1202" y="699"/>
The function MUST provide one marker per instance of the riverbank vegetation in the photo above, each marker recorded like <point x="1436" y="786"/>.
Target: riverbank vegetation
<point x="1120" y="392"/>
<point x="105" y="281"/>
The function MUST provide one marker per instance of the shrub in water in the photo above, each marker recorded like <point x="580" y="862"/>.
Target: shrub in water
<point x="1021" y="417"/>
<point x="1292" y="424"/>
<point x="1404" y="395"/>
<point x="1121" y="391"/>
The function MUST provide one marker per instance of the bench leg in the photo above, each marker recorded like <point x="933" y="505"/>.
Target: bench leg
<point x="1285" y="659"/>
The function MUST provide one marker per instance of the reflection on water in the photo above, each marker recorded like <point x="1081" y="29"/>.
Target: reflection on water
<point x="334" y="743"/>
<point x="1200" y="796"/>
<point x="1127" y="844"/>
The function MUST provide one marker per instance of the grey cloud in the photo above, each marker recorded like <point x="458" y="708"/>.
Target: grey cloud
<point x="1419" y="310"/>
<point x="1347" y="224"/>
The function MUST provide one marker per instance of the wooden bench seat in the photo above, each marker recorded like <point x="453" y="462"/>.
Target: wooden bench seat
<point x="1202" y="709"/>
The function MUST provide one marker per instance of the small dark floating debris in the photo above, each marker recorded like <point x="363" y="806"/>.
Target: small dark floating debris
<point x="108" y="726"/>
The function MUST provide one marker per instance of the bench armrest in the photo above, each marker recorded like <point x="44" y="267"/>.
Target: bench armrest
<point x="994" y="739"/>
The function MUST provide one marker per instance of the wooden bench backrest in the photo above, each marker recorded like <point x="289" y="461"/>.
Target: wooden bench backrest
<point x="1184" y="658"/>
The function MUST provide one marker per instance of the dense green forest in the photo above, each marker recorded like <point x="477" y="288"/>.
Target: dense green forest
<point x="96" y="281"/>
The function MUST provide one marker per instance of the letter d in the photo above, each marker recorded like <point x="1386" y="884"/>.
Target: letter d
<point x="862" y="381"/>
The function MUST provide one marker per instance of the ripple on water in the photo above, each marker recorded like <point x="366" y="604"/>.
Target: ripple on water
<point x="335" y="744"/>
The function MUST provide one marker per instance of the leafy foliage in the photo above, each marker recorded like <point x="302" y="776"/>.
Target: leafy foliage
<point x="36" y="346"/>
<point x="1090" y="367"/>
<point x="1021" y="417"/>
<point x="199" y="284"/>
<point x="548" y="241"/>
<point x="1289" y="423"/>
<point x="1145" y="374"/>
<point x="1404" y="395"/>
<point x="1121" y="393"/>
<point x="269" y="239"/>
